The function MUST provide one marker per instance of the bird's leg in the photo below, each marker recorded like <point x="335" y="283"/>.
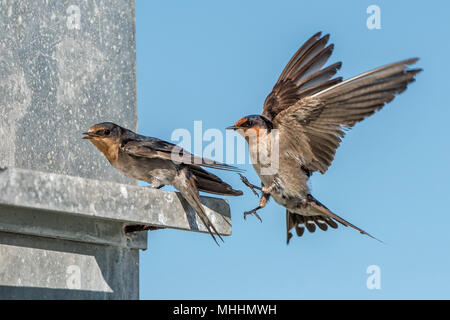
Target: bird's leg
<point x="268" y="189"/>
<point x="262" y="203"/>
<point x="248" y="184"/>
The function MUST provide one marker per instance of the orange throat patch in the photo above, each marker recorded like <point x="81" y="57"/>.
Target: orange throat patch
<point x="109" y="149"/>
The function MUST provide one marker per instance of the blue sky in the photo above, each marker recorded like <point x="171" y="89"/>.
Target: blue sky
<point x="216" y="61"/>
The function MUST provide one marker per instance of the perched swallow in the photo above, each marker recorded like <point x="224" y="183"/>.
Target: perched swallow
<point x="152" y="160"/>
<point x="309" y="111"/>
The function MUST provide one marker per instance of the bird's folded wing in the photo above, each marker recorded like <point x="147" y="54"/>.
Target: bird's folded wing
<point x="313" y="126"/>
<point x="156" y="148"/>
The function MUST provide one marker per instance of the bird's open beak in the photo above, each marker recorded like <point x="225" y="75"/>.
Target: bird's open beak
<point x="89" y="135"/>
<point x="232" y="128"/>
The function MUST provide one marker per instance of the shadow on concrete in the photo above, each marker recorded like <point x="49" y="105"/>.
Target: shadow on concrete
<point x="116" y="282"/>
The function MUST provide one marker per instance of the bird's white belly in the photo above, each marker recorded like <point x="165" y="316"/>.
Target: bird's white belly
<point x="294" y="205"/>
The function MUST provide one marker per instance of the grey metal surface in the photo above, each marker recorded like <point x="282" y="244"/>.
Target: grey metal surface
<point x="43" y="268"/>
<point x="58" y="225"/>
<point x="64" y="66"/>
<point x="107" y="200"/>
<point x="62" y="237"/>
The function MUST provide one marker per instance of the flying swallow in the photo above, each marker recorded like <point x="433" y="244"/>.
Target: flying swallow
<point x="161" y="163"/>
<point x="309" y="110"/>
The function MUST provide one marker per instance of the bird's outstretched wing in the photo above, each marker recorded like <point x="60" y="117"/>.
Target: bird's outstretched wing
<point x="157" y="148"/>
<point x="303" y="76"/>
<point x="313" y="126"/>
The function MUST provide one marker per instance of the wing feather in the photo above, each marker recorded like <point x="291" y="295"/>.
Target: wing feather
<point x="156" y="148"/>
<point x="320" y="120"/>
<point x="303" y="75"/>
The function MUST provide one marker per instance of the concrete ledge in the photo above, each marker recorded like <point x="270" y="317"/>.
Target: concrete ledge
<point x="94" y="200"/>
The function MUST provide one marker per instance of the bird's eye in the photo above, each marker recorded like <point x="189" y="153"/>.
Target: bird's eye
<point x="107" y="132"/>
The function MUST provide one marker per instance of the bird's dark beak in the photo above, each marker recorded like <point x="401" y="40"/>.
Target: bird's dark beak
<point x="232" y="128"/>
<point x="89" y="135"/>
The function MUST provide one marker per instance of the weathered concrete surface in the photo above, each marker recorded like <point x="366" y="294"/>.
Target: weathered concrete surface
<point x="107" y="200"/>
<point x="43" y="268"/>
<point x="64" y="66"/>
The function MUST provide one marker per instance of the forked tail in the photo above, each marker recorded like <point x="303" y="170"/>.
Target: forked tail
<point x="323" y="219"/>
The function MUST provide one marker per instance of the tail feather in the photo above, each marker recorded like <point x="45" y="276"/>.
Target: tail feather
<point x="321" y="223"/>
<point x="309" y="223"/>
<point x="327" y="213"/>
<point x="188" y="189"/>
<point x="323" y="219"/>
<point x="210" y="183"/>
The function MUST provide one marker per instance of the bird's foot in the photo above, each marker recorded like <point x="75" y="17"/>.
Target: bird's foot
<point x="250" y="185"/>
<point x="246" y="213"/>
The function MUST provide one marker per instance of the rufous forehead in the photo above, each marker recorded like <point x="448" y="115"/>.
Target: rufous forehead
<point x="95" y="128"/>
<point x="240" y="122"/>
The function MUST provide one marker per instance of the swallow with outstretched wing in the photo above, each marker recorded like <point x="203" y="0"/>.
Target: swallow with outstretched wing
<point x="306" y="116"/>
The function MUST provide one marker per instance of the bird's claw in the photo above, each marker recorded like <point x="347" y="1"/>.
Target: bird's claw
<point x="246" y="213"/>
<point x="248" y="184"/>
